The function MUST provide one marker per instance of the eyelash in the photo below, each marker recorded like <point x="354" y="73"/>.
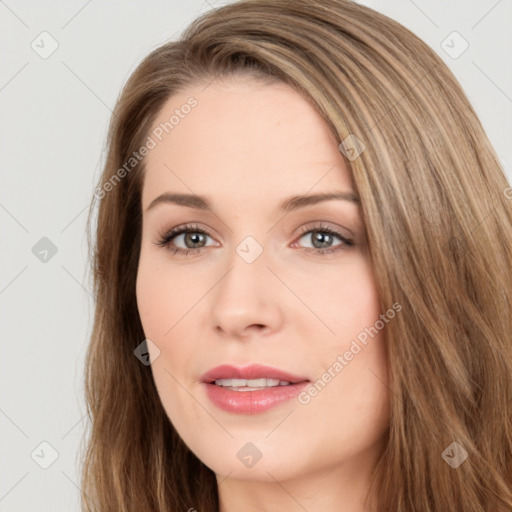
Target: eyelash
<point x="166" y="239"/>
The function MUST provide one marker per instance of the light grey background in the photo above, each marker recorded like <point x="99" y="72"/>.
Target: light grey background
<point x="54" y="113"/>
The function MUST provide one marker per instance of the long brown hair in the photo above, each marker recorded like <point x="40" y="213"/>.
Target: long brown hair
<point x="438" y="215"/>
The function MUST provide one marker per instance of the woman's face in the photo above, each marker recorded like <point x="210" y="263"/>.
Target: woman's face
<point x="258" y="283"/>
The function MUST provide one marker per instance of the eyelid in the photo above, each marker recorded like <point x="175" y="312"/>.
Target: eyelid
<point x="311" y="225"/>
<point x="183" y="229"/>
<point x="321" y="226"/>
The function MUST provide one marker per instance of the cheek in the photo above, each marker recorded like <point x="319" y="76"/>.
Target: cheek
<point x="159" y="310"/>
<point x="168" y="287"/>
<point x="350" y="333"/>
<point x="163" y="297"/>
<point x="344" y="299"/>
<point x="149" y="298"/>
<point x="164" y="300"/>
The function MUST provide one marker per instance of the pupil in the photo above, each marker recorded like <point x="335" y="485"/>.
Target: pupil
<point x="322" y="238"/>
<point x="195" y="238"/>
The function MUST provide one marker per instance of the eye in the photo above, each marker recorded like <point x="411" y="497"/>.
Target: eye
<point x="193" y="237"/>
<point x="322" y="238"/>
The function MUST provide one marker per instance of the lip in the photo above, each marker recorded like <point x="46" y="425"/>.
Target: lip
<point x="254" y="371"/>
<point x="251" y="402"/>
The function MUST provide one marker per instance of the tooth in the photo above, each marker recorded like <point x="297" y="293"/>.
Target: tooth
<point x="256" y="383"/>
<point x="223" y="382"/>
<point x="262" y="383"/>
<point x="251" y="383"/>
<point x="230" y="382"/>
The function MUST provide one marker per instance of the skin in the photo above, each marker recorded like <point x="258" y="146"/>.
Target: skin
<point x="248" y="146"/>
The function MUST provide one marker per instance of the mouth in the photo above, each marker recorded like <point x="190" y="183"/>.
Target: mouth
<point x="252" y="389"/>
<point x="254" y="377"/>
<point x="250" y="384"/>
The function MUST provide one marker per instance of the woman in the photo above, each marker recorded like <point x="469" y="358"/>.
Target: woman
<point x="301" y="269"/>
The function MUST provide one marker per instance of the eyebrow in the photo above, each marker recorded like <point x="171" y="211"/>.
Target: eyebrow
<point x="292" y="203"/>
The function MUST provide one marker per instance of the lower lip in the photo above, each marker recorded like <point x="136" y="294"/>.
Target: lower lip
<point x="252" y="402"/>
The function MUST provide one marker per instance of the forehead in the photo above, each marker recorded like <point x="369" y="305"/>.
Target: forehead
<point x="245" y="137"/>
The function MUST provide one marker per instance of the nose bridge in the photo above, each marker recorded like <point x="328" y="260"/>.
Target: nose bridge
<point x="248" y="272"/>
<point x="245" y="296"/>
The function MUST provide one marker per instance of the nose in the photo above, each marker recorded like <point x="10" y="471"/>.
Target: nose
<point x="247" y="300"/>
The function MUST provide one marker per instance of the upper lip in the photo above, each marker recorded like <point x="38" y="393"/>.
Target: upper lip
<point x="254" y="371"/>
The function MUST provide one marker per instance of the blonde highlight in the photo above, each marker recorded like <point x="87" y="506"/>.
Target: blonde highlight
<point x="439" y="228"/>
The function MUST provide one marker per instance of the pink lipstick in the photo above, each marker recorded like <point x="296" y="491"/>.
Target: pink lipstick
<point x="252" y="389"/>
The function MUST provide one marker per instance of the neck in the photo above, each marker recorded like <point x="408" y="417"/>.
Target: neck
<point x="344" y="488"/>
